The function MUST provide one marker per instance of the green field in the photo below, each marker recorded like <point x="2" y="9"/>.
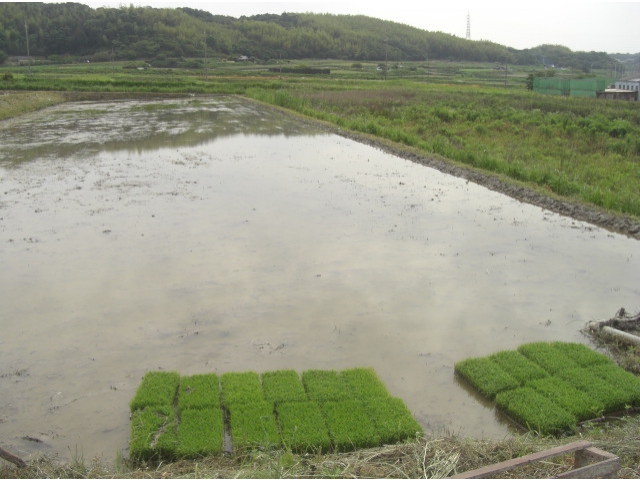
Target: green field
<point x="319" y="411"/>
<point x="549" y="387"/>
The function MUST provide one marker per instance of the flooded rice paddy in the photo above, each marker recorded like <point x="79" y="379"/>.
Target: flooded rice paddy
<point x="216" y="235"/>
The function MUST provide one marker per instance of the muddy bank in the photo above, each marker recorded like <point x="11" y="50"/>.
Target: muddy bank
<point x="618" y="223"/>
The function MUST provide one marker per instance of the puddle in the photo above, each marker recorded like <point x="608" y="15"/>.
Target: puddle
<point x="215" y="235"/>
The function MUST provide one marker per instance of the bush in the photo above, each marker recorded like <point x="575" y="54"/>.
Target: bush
<point x="303" y="428"/>
<point x="156" y="389"/>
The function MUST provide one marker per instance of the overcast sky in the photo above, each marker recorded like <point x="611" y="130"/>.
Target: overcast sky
<point x="612" y="27"/>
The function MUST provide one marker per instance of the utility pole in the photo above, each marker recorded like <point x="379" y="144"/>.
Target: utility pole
<point x="206" y="69"/>
<point x="26" y="31"/>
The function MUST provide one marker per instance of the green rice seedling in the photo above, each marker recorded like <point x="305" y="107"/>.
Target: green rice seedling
<point x="325" y="385"/>
<point x="253" y="425"/>
<point x="364" y="383"/>
<point x="200" y="433"/>
<point x="156" y="388"/>
<point x="582" y="355"/>
<point x="550" y="358"/>
<point x="283" y="386"/>
<point x="393" y="420"/>
<point x="486" y="376"/>
<point x="518" y="366"/>
<point x="303" y="428"/>
<point x="199" y="391"/>
<point x="535" y="411"/>
<point x="350" y="425"/>
<point x="152" y="433"/>
<point x="576" y="402"/>
<point x="612" y="398"/>
<point x="241" y="387"/>
<point x="620" y="379"/>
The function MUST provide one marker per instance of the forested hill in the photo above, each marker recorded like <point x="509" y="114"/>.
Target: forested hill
<point x="72" y="29"/>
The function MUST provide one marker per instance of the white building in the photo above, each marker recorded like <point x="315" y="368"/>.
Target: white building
<point x="628" y="84"/>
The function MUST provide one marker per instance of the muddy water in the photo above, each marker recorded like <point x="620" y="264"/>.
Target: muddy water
<point x="215" y="235"/>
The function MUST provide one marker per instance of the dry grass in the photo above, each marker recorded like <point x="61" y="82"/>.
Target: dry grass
<point x="429" y="457"/>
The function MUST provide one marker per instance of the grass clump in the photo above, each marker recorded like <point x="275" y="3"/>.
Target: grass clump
<point x="535" y="411"/>
<point x="253" y="425"/>
<point x="283" y="386"/>
<point x="394" y="422"/>
<point x="575" y="401"/>
<point x="613" y="399"/>
<point x="201" y="433"/>
<point x="350" y="425"/>
<point x="153" y="433"/>
<point x="156" y="389"/>
<point x="518" y="366"/>
<point x="620" y="379"/>
<point x="364" y="383"/>
<point x="303" y="428"/>
<point x="241" y="387"/>
<point x="582" y="355"/>
<point x="324" y="385"/>
<point x="199" y="391"/>
<point x="548" y="356"/>
<point x="486" y="376"/>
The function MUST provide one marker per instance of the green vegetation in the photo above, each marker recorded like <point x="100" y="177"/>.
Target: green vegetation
<point x="393" y="420"/>
<point x="153" y="433"/>
<point x="486" y="376"/>
<point x="253" y="425"/>
<point x="184" y="417"/>
<point x="518" y="366"/>
<point x="324" y="385"/>
<point x="156" y="389"/>
<point x="172" y="37"/>
<point x="283" y="386"/>
<point x="535" y="411"/>
<point x="553" y="402"/>
<point x="303" y="427"/>
<point x="350" y="426"/>
<point x="200" y="433"/>
<point x="199" y="391"/>
<point x="241" y="388"/>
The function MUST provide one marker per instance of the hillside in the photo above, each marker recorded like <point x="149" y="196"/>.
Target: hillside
<point x="59" y="32"/>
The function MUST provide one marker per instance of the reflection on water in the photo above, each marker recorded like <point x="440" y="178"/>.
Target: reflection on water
<point x="201" y="237"/>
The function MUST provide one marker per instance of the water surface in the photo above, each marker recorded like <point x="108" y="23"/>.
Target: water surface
<point x="216" y="235"/>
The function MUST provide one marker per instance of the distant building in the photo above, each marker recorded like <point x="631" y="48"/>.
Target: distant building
<point x="618" y="94"/>
<point x="628" y="84"/>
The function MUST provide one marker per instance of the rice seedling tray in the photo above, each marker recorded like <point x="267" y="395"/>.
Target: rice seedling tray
<point x="549" y="387"/>
<point x="176" y="416"/>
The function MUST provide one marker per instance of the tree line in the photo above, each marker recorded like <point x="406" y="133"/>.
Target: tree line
<point x="57" y="31"/>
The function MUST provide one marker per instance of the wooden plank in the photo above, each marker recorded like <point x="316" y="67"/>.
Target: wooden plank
<point x="591" y="455"/>
<point x="604" y="469"/>
<point x="491" y="470"/>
